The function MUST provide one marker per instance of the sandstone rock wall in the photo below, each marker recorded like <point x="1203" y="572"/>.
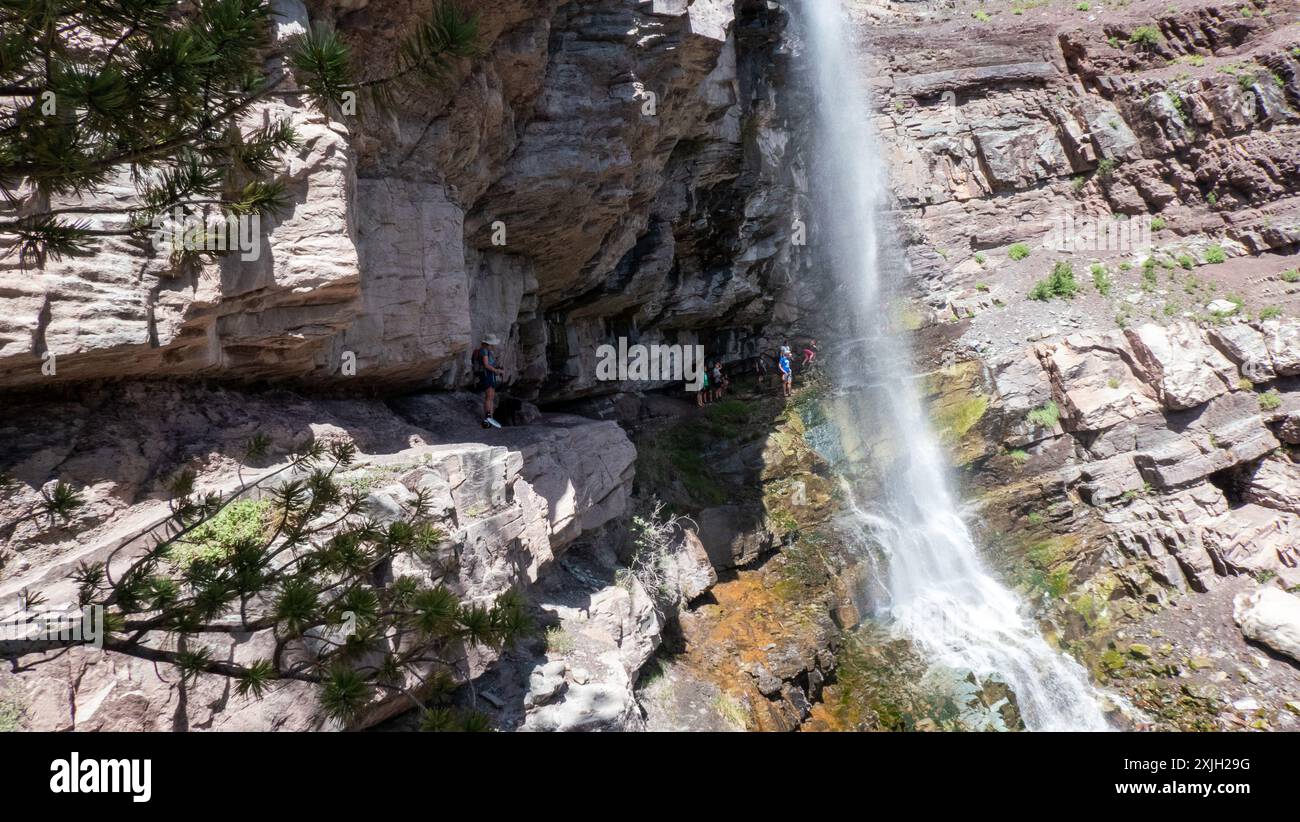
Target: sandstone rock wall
<point x="1163" y="383"/>
<point x="509" y="507"/>
<point x="603" y="169"/>
<point x="1100" y="207"/>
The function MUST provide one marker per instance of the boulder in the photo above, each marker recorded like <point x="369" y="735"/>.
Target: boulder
<point x="1282" y="339"/>
<point x="691" y="570"/>
<point x="1245" y="346"/>
<point x="627" y="616"/>
<point x="544" y="683"/>
<point x="1180" y="364"/>
<point x="1272" y="617"/>
<point x="596" y="706"/>
<point x="1095" y="381"/>
<point x="734" y="535"/>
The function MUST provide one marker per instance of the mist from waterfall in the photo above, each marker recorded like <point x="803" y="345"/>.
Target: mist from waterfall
<point x="938" y="592"/>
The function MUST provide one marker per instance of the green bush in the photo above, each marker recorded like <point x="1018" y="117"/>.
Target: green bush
<point x="1270" y="400"/>
<point x="1060" y="283"/>
<point x="1018" y="251"/>
<point x="1101" y="280"/>
<point x="1215" y="254"/>
<point x="1271" y="312"/>
<point x="1291" y="275"/>
<point x="240" y="521"/>
<point x="1158" y="223"/>
<point x="1047" y="416"/>
<point x="1146" y="37"/>
<point x="1149" y="280"/>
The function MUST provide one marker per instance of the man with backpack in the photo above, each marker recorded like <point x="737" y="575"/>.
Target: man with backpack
<point x="489" y="376"/>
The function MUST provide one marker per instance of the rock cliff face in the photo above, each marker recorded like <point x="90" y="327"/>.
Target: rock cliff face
<point x="601" y="170"/>
<point x="604" y="169"/>
<point x="508" y="507"/>
<point x="1101" y="208"/>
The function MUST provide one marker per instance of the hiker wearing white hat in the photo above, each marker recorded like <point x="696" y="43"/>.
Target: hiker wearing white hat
<point x="485" y="364"/>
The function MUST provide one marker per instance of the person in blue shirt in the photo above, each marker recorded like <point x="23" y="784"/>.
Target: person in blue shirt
<point x="787" y="376"/>
<point x="489" y="375"/>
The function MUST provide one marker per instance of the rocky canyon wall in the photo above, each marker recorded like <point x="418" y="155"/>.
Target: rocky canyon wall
<point x="602" y="169"/>
<point x="1101" y="207"/>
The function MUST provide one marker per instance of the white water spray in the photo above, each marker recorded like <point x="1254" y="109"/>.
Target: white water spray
<point x="940" y="594"/>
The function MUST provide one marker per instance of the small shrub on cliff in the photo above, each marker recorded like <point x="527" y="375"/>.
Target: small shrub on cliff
<point x="1158" y="223"/>
<point x="1101" y="280"/>
<point x="57" y="505"/>
<point x="559" y="641"/>
<point x="1018" y="251"/>
<point x="1270" y="400"/>
<point x="1047" y="416"/>
<point x="241" y="521"/>
<point x="1060" y="283"/>
<point x="11" y="713"/>
<point x="1215" y="254"/>
<point x="655" y="538"/>
<point x="1291" y="275"/>
<point x="1270" y="312"/>
<point x="307" y="568"/>
<point x="1146" y="37"/>
<point x="981" y="15"/>
<point x="1149" y="278"/>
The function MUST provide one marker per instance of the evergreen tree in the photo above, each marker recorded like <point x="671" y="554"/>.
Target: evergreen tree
<point x="161" y="93"/>
<point x="293" y="554"/>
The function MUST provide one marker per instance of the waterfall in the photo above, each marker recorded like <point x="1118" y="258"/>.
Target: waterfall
<point x="939" y="593"/>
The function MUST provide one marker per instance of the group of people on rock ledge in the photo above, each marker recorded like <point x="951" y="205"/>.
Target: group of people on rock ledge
<point x="489" y="374"/>
<point x="768" y="364"/>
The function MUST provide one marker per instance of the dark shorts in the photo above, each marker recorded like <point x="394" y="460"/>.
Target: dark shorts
<point x="487" y="380"/>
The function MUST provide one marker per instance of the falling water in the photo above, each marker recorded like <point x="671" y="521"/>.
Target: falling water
<point x="939" y="592"/>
